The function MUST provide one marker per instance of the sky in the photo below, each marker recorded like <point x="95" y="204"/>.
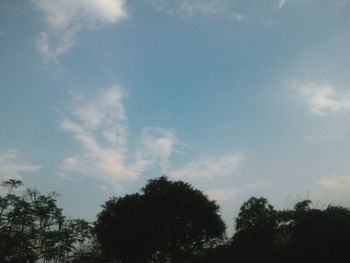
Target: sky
<point x="236" y="97"/>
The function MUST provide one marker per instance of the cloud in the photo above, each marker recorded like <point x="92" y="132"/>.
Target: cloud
<point x="54" y="48"/>
<point x="222" y="194"/>
<point x="337" y="183"/>
<point x="197" y="7"/>
<point x="11" y="166"/>
<point x="281" y="3"/>
<point x="106" y="113"/>
<point x="65" y="18"/>
<point x="323" y="99"/>
<point x="100" y="127"/>
<point x="209" y="168"/>
<point x="333" y="189"/>
<point x="157" y="145"/>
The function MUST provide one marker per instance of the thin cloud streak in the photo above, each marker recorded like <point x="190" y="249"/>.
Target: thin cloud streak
<point x="209" y="168"/>
<point x="337" y="183"/>
<point x="281" y="3"/>
<point x="322" y="99"/>
<point x="11" y="166"/>
<point x="101" y="129"/>
<point x="222" y="194"/>
<point x="332" y="189"/>
<point x="197" y="7"/>
<point x="64" y="19"/>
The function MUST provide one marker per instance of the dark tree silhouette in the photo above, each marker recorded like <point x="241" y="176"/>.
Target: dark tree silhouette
<point x="168" y="222"/>
<point x="313" y="234"/>
<point x="32" y="227"/>
<point x="302" y="234"/>
<point x="123" y="230"/>
<point x="256" y="227"/>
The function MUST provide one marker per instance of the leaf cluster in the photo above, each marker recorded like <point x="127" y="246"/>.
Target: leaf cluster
<point x="33" y="228"/>
<point x="167" y="222"/>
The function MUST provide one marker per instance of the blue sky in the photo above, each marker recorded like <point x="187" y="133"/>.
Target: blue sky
<point x="238" y="98"/>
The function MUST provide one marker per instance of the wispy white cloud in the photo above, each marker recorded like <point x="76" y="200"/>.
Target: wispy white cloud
<point x="222" y="194"/>
<point x="202" y="7"/>
<point x="226" y="194"/>
<point x="65" y="18"/>
<point x="281" y="3"/>
<point x="157" y="145"/>
<point x="197" y="7"/>
<point x="209" y="168"/>
<point x="258" y="184"/>
<point x="106" y="113"/>
<point x="333" y="189"/>
<point x="101" y="128"/>
<point x="11" y="166"/>
<point x="323" y="99"/>
<point x="337" y="183"/>
<point x="331" y="133"/>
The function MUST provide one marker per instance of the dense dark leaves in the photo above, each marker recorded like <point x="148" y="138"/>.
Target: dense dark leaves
<point x="168" y="222"/>
<point x="256" y="227"/>
<point x="32" y="227"/>
<point x="315" y="234"/>
<point x="187" y="221"/>
<point x="122" y="229"/>
<point x="302" y="234"/>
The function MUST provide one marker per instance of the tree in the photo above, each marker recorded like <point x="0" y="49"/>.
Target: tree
<point x="32" y="227"/>
<point x="122" y="229"/>
<point x="169" y="221"/>
<point x="256" y="227"/>
<point x="296" y="235"/>
<point x="313" y="234"/>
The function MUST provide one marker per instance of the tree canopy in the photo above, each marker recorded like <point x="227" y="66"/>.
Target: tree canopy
<point x="300" y="234"/>
<point x="32" y="227"/>
<point x="255" y="226"/>
<point x="169" y="221"/>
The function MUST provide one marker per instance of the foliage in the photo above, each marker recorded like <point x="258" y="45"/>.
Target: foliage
<point x="297" y="235"/>
<point x="256" y="227"/>
<point x="315" y="234"/>
<point x="32" y="227"/>
<point x="168" y="222"/>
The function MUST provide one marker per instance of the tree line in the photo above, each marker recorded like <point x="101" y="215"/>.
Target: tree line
<point x="167" y="221"/>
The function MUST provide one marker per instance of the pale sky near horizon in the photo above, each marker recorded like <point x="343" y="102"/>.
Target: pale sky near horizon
<point x="236" y="97"/>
